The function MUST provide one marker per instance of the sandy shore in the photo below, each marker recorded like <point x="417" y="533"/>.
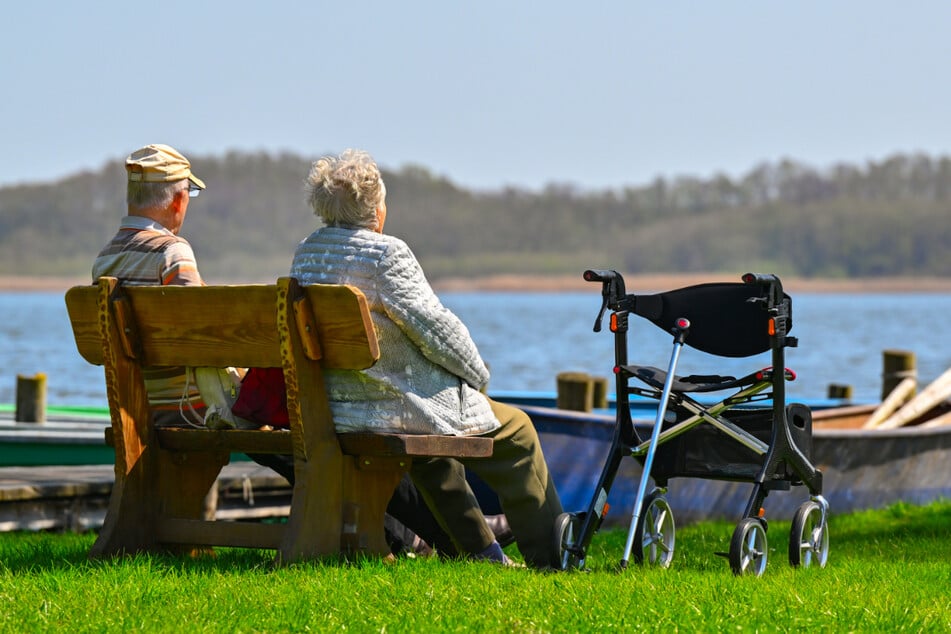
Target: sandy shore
<point x="634" y="283"/>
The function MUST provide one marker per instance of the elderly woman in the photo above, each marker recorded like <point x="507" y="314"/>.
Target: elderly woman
<point x="429" y="375"/>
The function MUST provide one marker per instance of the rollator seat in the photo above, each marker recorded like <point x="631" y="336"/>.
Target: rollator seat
<point x="655" y="377"/>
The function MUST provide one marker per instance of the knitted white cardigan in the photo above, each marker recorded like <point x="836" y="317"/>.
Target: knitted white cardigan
<point x="428" y="378"/>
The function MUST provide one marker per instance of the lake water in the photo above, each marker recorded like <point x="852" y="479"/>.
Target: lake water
<point x="528" y="338"/>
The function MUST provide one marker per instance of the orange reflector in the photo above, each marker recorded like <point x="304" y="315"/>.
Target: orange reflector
<point x="761" y="512"/>
<point x="607" y="507"/>
<point x="772" y="327"/>
<point x="613" y="322"/>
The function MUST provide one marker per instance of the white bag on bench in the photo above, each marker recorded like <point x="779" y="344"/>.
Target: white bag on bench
<point x="219" y="389"/>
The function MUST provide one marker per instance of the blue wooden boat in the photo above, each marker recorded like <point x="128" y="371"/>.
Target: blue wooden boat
<point x="862" y="468"/>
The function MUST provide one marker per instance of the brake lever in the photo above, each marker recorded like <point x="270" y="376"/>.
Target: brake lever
<point x="604" y="305"/>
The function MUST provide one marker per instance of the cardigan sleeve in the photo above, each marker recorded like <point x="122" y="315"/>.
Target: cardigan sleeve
<point x="411" y="303"/>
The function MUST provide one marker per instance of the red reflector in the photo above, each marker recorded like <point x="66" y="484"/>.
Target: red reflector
<point x="617" y="369"/>
<point x="607" y="507"/>
<point x="772" y="327"/>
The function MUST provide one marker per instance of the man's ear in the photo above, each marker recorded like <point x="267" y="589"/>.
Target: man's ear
<point x="180" y="201"/>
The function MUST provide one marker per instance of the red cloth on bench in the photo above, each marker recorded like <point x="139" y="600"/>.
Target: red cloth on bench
<point x="262" y="398"/>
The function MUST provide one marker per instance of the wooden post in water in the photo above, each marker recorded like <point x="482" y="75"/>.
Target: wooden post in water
<point x="599" y="398"/>
<point x="575" y="391"/>
<point x="896" y="366"/>
<point x="838" y="390"/>
<point x="31" y="399"/>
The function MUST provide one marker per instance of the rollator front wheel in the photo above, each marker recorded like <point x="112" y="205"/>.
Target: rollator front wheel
<point x="567" y="532"/>
<point x="654" y="536"/>
<point x="809" y="537"/>
<point x="748" y="548"/>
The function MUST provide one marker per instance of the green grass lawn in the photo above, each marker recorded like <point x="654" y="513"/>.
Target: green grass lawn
<point x="888" y="570"/>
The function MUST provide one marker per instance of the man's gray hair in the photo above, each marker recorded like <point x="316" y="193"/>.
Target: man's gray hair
<point x="142" y="196"/>
<point x="346" y="190"/>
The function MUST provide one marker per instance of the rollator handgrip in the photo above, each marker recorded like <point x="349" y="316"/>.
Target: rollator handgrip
<point x="759" y="278"/>
<point x="613" y="293"/>
<point x="599" y="275"/>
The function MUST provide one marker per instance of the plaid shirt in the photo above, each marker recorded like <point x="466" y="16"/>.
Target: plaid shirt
<point x="144" y="253"/>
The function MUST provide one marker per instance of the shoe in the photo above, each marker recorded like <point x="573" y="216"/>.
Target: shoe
<point x="494" y="554"/>
<point x="500" y="527"/>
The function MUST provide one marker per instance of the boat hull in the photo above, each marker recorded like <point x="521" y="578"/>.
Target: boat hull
<point x="862" y="469"/>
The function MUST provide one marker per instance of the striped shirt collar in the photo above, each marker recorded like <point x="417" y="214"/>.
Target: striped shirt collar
<point x="140" y="223"/>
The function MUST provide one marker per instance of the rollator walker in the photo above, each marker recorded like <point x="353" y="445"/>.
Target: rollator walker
<point x="734" y="439"/>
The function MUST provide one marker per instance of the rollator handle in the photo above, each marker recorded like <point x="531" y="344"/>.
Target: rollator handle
<point x="760" y="278"/>
<point x="599" y="275"/>
<point x="612" y="291"/>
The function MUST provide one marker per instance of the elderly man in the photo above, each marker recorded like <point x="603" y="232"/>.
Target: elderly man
<point x="147" y="250"/>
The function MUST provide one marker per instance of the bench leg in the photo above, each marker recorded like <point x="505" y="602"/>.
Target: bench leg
<point x="345" y="516"/>
<point x="130" y="519"/>
<point x="368" y="485"/>
<point x="160" y="484"/>
<point x="313" y="525"/>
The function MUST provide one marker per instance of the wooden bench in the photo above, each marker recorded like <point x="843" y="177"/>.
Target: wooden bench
<point x="343" y="481"/>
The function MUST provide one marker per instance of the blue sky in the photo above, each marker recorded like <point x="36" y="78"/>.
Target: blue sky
<point x="488" y="94"/>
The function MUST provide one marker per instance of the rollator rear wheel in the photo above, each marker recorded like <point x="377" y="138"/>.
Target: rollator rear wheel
<point x="748" y="547"/>
<point x="567" y="531"/>
<point x="654" y="536"/>
<point x="809" y="537"/>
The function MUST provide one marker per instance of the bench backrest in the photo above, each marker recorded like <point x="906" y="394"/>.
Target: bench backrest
<point x="223" y="325"/>
<point x="301" y="329"/>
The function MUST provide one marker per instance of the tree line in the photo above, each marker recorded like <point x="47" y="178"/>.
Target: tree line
<point x="883" y="218"/>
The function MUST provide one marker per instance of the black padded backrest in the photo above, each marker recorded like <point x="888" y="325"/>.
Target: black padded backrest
<point x="723" y="321"/>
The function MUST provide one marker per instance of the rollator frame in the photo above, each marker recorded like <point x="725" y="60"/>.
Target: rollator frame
<point x="783" y="462"/>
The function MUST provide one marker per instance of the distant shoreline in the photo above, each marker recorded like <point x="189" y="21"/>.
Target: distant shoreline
<point x="570" y="283"/>
<point x="668" y="281"/>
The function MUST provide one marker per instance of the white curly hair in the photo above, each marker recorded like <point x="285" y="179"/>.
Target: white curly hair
<point x="346" y="190"/>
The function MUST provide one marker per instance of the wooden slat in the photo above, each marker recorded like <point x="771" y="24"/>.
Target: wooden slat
<point x="381" y="445"/>
<point x="228" y="325"/>
<point x="220" y="533"/>
<point x="83" y="308"/>
<point x="232" y="440"/>
<point x="412" y="445"/>
<point x="347" y="336"/>
<point x="216" y="326"/>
